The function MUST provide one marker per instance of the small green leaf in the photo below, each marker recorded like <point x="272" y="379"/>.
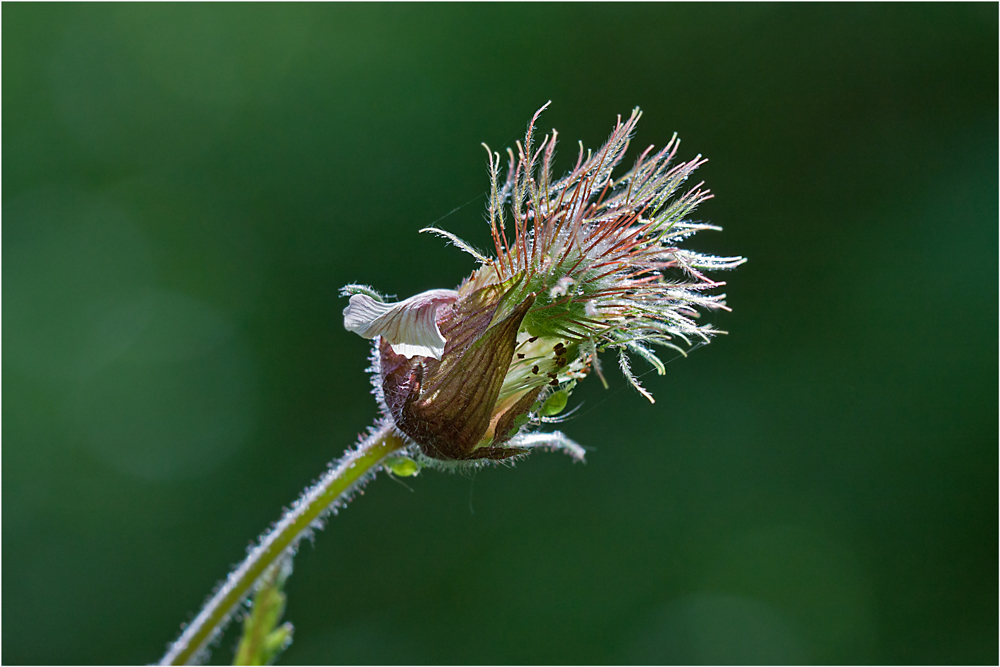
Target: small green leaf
<point x="555" y="403"/>
<point x="279" y="640"/>
<point x="519" y="421"/>
<point x="402" y="466"/>
<point x="263" y="640"/>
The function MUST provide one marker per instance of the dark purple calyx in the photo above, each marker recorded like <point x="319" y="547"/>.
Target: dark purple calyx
<point x="446" y="406"/>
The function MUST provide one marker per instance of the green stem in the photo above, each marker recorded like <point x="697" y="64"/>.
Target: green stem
<point x="334" y="488"/>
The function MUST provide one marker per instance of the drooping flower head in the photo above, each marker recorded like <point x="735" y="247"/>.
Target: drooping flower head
<point x="583" y="264"/>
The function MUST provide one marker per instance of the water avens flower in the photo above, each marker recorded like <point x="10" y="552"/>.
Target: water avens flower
<point x="593" y="263"/>
<point x="585" y="264"/>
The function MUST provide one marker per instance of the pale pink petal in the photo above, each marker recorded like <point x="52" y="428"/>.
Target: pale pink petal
<point x="409" y="326"/>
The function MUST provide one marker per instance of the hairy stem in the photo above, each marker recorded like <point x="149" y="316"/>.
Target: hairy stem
<point x="335" y="487"/>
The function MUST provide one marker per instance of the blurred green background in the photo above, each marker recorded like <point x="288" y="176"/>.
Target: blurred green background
<point x="185" y="188"/>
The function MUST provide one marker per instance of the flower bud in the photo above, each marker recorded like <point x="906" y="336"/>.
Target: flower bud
<point x="593" y="264"/>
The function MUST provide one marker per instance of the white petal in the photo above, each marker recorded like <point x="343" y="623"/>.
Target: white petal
<point x="409" y="326"/>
